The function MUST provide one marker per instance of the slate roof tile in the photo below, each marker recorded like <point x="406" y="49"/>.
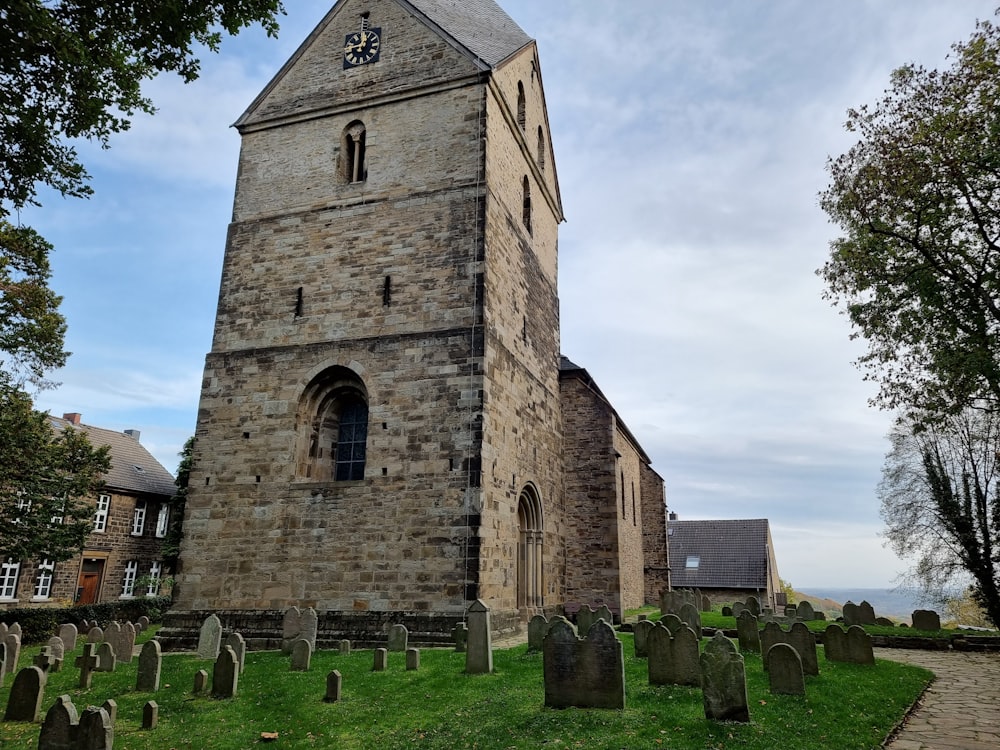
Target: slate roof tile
<point x="731" y="553"/>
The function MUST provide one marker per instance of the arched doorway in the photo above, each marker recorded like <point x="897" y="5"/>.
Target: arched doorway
<point x="530" y="583"/>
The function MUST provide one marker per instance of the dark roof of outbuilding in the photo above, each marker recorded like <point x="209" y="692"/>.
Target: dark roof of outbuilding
<point x="481" y="26"/>
<point x="731" y="554"/>
<point x="133" y="468"/>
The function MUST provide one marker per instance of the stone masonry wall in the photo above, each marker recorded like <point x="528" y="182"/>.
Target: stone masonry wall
<point x="629" y="509"/>
<point x="654" y="535"/>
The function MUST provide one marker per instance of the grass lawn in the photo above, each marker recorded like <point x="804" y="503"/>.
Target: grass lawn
<point x="846" y="706"/>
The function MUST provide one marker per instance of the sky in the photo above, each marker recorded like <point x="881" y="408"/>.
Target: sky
<point x="691" y="142"/>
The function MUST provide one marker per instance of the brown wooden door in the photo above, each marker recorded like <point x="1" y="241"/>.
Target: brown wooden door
<point x="89" y="586"/>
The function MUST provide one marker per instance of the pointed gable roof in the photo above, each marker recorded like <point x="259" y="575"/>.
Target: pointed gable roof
<point x="481" y="26"/>
<point x="730" y="553"/>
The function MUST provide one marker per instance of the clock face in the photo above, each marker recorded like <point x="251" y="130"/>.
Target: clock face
<point x="362" y="47"/>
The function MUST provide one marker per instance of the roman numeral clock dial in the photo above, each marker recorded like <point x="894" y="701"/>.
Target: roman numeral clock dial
<point x="362" y="46"/>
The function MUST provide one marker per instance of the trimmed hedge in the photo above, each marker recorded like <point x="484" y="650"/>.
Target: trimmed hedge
<point x="38" y="624"/>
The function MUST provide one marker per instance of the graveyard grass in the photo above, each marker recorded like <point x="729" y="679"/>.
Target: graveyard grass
<point x="438" y="706"/>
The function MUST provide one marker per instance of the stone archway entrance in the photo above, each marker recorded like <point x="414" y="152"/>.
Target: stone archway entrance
<point x="530" y="581"/>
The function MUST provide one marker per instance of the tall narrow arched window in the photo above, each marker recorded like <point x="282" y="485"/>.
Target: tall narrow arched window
<point x="541" y="148"/>
<point x="530" y="581"/>
<point x="354" y="168"/>
<point x="521" y="116"/>
<point x="526" y="205"/>
<point x="332" y="427"/>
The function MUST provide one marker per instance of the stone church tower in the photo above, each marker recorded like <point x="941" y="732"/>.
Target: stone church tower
<point x="380" y="434"/>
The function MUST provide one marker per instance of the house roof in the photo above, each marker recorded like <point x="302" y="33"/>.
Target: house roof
<point x="481" y="26"/>
<point x="133" y="468"/>
<point x="731" y="554"/>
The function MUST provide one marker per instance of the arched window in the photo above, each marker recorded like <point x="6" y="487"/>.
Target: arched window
<point x="332" y="427"/>
<point x="521" y="117"/>
<point x="530" y="582"/>
<point x="541" y="148"/>
<point x="352" y="148"/>
<point x="526" y="205"/>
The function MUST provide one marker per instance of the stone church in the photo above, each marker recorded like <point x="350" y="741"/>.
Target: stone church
<point x="387" y="431"/>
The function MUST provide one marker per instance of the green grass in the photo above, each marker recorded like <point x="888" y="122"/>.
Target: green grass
<point x="846" y="706"/>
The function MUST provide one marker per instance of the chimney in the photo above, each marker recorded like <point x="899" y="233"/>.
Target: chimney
<point x="672" y="516"/>
<point x="134" y="434"/>
<point x="73" y="418"/>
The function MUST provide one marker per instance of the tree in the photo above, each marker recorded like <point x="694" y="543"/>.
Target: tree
<point x="47" y="479"/>
<point x="940" y="503"/>
<point x="171" y="549"/>
<point x="917" y="270"/>
<point x="74" y="69"/>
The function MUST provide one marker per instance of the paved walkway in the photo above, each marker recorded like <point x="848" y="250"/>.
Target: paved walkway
<point x="961" y="708"/>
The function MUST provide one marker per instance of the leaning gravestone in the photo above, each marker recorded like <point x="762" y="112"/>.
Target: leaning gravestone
<point x="225" y="674"/>
<point x="398" y="638"/>
<point x="291" y="626"/>
<point x="96" y="731"/>
<point x="867" y="614"/>
<point x="925" y="619"/>
<point x="301" y="655"/>
<point x="26" y="694"/>
<point x="673" y="657"/>
<point x="125" y="649"/>
<point x="68" y="633"/>
<point x="59" y="728"/>
<point x="584" y="672"/>
<point x="58" y="651"/>
<point x="309" y="626"/>
<point x="210" y="638"/>
<point x="641" y="637"/>
<point x="236" y="642"/>
<point x="150" y="662"/>
<point x="723" y="681"/>
<point x="747" y="632"/>
<point x="479" y="656"/>
<point x="785" y="670"/>
<point x="537" y="626"/>
<point x="13" y="643"/>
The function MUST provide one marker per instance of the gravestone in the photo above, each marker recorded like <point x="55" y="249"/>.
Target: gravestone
<point x="691" y="617"/>
<point x="785" y="670"/>
<point x="225" y="674"/>
<point x="727" y="611"/>
<point x="739" y="607"/>
<point x="397" y="638"/>
<point x="150" y="663"/>
<point x="334" y="681"/>
<point x="58" y="650"/>
<point x="672" y="622"/>
<point x="210" y="638"/>
<point x="641" y="636"/>
<point x="412" y="659"/>
<point x="13" y="643"/>
<point x="805" y="611"/>
<point x="460" y="634"/>
<point x="125" y="649"/>
<point x="291" y="626"/>
<point x="723" y="681"/>
<point x="309" y="626"/>
<point x="96" y="731"/>
<point x="141" y="624"/>
<point x="925" y="619"/>
<point x="60" y="726"/>
<point x="803" y="641"/>
<point x="867" y="613"/>
<point x="537" y="626"/>
<point x="15" y="629"/>
<point x="885" y="621"/>
<point x="87" y="664"/>
<point x="852" y="615"/>
<point x="345" y="647"/>
<point x="301" y="655"/>
<point x="586" y="616"/>
<point x="3" y="630"/>
<point x="604" y="613"/>
<point x="769" y="636"/>
<point x="200" y="682"/>
<point x="748" y="632"/>
<point x="381" y="660"/>
<point x="753" y="604"/>
<point x="858" y="646"/>
<point x="111" y="706"/>
<point x="673" y="657"/>
<point x="834" y="643"/>
<point x="236" y="642"/>
<point x="95" y="635"/>
<point x="150" y="715"/>
<point x="3" y="661"/>
<point x="706" y="604"/>
<point x="44" y="660"/>
<point x="479" y="653"/>
<point x="113" y="637"/>
<point x="584" y="672"/>
<point x="68" y="633"/>
<point x="26" y="694"/>
<point x="106" y="659"/>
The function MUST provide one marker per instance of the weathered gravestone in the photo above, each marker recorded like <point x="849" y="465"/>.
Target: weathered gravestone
<point x="925" y="619"/>
<point x="852" y="615"/>
<point x="753" y="604"/>
<point x="3" y="630"/>
<point x="479" y="653"/>
<point x="724" y="681"/>
<point x="150" y="663"/>
<point x="106" y="659"/>
<point x="584" y="672"/>
<point x="111" y="706"/>
<point x="16" y="630"/>
<point x="225" y="674"/>
<point x="26" y="694"/>
<point x="141" y="624"/>
<point x="125" y="648"/>
<point x="739" y="607"/>
<point x="44" y="660"/>
<point x="785" y="670"/>
<point x="727" y="611"/>
<point x="301" y="655"/>
<point x="334" y="682"/>
<point x="13" y="643"/>
<point x="412" y="659"/>
<point x="854" y="646"/>
<point x="691" y="617"/>
<point x="87" y="664"/>
<point x="706" y="603"/>
<point x="804" y="611"/>
<point x="3" y="661"/>
<point x="60" y="726"/>
<point x="748" y="632"/>
<point x="309" y="626"/>
<point x="236" y="642"/>
<point x="537" y="626"/>
<point x="210" y="638"/>
<point x="641" y="637"/>
<point x="397" y="639"/>
<point x="344" y="647"/>
<point x="672" y="622"/>
<point x="113" y="637"/>
<point x="58" y="651"/>
<point x="95" y="635"/>
<point x="460" y="634"/>
<point x="200" y="682"/>
<point x="673" y="657"/>
<point x="790" y="611"/>
<point x="798" y="637"/>
<point x="150" y="715"/>
<point x="380" y="660"/>
<point x="68" y="634"/>
<point x="291" y="626"/>
<point x="586" y="616"/>
<point x="867" y="614"/>
<point x="96" y="730"/>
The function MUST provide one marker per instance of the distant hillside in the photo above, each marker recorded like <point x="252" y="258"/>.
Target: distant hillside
<point x="892" y="603"/>
<point x="829" y="607"/>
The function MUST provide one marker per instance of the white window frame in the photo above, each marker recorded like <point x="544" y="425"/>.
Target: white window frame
<point x="23" y="506"/>
<point x="128" y="582"/>
<point x="101" y="513"/>
<point x="692" y="562"/>
<point x="139" y="518"/>
<point x="155" y="571"/>
<point x="43" y="581"/>
<point x="10" y="570"/>
<point x="162" y="521"/>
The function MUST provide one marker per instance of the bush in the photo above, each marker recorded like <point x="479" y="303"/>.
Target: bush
<point x="38" y="624"/>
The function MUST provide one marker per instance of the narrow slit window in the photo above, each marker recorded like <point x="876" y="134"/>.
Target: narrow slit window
<point x="521" y="107"/>
<point x="526" y="206"/>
